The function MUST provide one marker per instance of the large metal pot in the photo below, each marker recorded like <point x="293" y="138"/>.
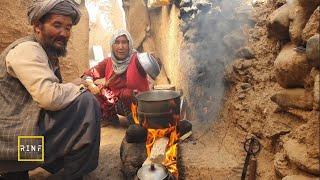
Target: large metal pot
<point x="158" y="109"/>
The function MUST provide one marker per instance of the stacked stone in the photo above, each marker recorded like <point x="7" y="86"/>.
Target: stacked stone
<point x="296" y="25"/>
<point x="297" y="70"/>
<point x="133" y="150"/>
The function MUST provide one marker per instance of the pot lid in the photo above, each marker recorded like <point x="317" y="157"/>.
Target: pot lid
<point x="152" y="172"/>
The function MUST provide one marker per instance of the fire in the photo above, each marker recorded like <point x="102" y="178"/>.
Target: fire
<point x="171" y="151"/>
<point x="134" y="110"/>
<point x="170" y="161"/>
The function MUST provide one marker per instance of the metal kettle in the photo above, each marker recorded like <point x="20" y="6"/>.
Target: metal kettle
<point x="149" y="64"/>
<point x="153" y="172"/>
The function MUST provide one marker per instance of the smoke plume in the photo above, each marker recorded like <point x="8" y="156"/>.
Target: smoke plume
<point x="213" y="32"/>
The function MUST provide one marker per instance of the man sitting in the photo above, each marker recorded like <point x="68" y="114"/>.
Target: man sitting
<point x="34" y="101"/>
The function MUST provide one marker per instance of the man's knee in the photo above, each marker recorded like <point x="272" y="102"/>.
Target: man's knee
<point x="87" y="100"/>
<point x="88" y="109"/>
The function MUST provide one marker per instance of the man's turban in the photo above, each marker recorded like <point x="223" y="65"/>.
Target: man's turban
<point x="39" y="8"/>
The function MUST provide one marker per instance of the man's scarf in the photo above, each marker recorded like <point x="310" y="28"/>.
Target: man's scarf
<point x="39" y="8"/>
<point x="120" y="66"/>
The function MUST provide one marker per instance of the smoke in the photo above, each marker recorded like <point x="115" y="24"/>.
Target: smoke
<point x="213" y="32"/>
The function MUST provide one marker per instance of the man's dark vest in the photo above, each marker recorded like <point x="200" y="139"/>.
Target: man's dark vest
<point x="19" y="114"/>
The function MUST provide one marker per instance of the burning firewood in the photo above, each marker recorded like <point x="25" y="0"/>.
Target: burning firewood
<point x="158" y="151"/>
<point x="159" y="147"/>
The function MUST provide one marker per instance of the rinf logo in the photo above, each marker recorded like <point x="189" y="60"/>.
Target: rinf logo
<point x="30" y="148"/>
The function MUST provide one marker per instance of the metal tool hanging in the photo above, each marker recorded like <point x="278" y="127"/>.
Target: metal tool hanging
<point x="252" y="146"/>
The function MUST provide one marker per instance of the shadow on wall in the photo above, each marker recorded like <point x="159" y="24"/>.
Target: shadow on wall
<point x="214" y="30"/>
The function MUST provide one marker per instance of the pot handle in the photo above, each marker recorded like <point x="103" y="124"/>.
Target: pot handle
<point x="183" y="108"/>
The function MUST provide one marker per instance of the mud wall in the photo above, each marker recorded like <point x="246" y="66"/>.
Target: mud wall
<point x="270" y="56"/>
<point x="168" y="39"/>
<point x="105" y="17"/>
<point x="194" y="41"/>
<point x="14" y="25"/>
<point x="13" y="21"/>
<point x="157" y="30"/>
<point x="77" y="59"/>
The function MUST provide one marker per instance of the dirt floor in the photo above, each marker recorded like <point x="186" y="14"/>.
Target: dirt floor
<point x="109" y="160"/>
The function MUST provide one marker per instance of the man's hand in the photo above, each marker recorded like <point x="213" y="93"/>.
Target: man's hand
<point x="88" y="83"/>
<point x="100" y="82"/>
<point x="94" y="89"/>
<point x="79" y="81"/>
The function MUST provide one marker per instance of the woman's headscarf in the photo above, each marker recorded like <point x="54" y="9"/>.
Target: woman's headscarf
<point x="120" y="66"/>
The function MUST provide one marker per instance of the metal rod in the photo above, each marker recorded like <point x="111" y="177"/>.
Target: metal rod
<point x="246" y="162"/>
<point x="252" y="169"/>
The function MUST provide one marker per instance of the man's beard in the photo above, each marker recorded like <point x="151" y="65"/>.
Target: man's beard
<point x="51" y="49"/>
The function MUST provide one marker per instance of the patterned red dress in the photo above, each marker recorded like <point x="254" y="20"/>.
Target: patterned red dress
<point x="121" y="86"/>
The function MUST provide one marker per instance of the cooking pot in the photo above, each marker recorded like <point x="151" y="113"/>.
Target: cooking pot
<point x="158" y="109"/>
<point x="153" y="172"/>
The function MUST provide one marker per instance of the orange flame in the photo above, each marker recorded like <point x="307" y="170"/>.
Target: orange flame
<point x="134" y="110"/>
<point x="170" y="161"/>
<point x="171" y="151"/>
